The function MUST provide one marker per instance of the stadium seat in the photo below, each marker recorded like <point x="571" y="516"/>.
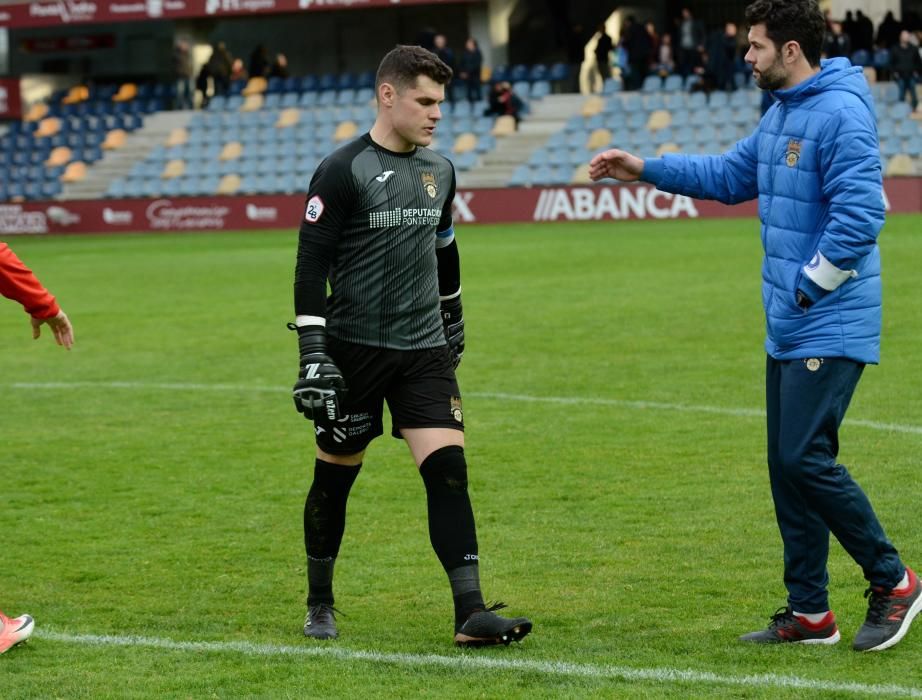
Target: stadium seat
<point x="652" y="83"/>
<point x="288" y="117"/>
<point x="592" y="105"/>
<point x="861" y="57"/>
<point x="718" y="100"/>
<point x="114" y="139"/>
<point x="659" y="119"/>
<point x="504" y="126"/>
<point x="673" y="83"/>
<point x="231" y="151"/>
<point x="252" y="103"/>
<point x="466" y="161"/>
<point x="74" y="172"/>
<point x="254" y="86"/>
<point x="899" y="111"/>
<point x="59" y="156"/>
<point x="668" y="147"/>
<point x="77" y="94"/>
<point x="611" y="86"/>
<point x="49" y="126"/>
<point x="599" y="139"/>
<point x="464" y="142"/>
<point x="900" y="165"/>
<point x="345" y="131"/>
<point x="173" y="169"/>
<point x="177" y="137"/>
<point x="36" y="112"/>
<point x="126" y="93"/>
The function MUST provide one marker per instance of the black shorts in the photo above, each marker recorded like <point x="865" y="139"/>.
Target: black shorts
<point x="419" y="386"/>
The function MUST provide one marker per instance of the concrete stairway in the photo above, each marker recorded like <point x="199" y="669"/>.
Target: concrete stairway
<point x="547" y="116"/>
<point x="116" y="164"/>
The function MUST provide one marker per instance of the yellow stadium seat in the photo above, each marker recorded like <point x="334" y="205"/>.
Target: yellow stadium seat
<point x="173" y="168"/>
<point x="668" y="148"/>
<point x="48" y="126"/>
<point x="659" y="119"/>
<point x="178" y="137"/>
<point x="59" y="156"/>
<point x="900" y="165"/>
<point x="504" y="125"/>
<point x="464" y="143"/>
<point x="36" y="112"/>
<point x="252" y="103"/>
<point x="288" y="117"/>
<point x="345" y="130"/>
<point x="255" y="86"/>
<point x="229" y="184"/>
<point x="870" y="74"/>
<point x="592" y="106"/>
<point x="114" y="139"/>
<point x="598" y="139"/>
<point x="126" y="93"/>
<point x="78" y="93"/>
<point x="231" y="151"/>
<point x="581" y="175"/>
<point x="74" y="172"/>
<point x="485" y="74"/>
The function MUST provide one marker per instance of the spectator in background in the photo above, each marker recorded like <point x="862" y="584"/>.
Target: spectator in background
<point x="259" y="62"/>
<point x="279" y="66"/>
<point x="863" y="36"/>
<point x="219" y="68"/>
<point x="636" y="42"/>
<point x="238" y="72"/>
<point x="202" y="82"/>
<point x="503" y="101"/>
<point x="691" y="43"/>
<point x="447" y="55"/>
<point x="655" y="40"/>
<point x="665" y="63"/>
<point x="603" y="48"/>
<point x="723" y="55"/>
<point x="426" y="38"/>
<point x="906" y="65"/>
<point x="469" y="68"/>
<point x="837" y="42"/>
<point x="888" y="33"/>
<point x="850" y="27"/>
<point x="183" y="72"/>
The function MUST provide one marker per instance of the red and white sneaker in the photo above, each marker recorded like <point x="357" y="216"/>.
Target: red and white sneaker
<point x="890" y="613"/>
<point x="15" y="630"/>
<point x="786" y="627"/>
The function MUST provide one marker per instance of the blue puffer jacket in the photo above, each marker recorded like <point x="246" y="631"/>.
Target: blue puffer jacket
<point x="814" y="163"/>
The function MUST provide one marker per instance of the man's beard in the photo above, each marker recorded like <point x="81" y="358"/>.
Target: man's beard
<point x="773" y="78"/>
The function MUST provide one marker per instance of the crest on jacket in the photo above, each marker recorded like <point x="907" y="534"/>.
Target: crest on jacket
<point x="793" y="154"/>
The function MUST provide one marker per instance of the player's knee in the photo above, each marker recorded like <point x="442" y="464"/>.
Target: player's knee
<point x="445" y="469"/>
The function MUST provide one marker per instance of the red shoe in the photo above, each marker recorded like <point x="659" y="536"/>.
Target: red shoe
<point x="15" y="630"/>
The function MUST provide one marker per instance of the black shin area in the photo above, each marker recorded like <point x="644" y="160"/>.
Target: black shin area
<point x="324" y="524"/>
<point x="451" y="525"/>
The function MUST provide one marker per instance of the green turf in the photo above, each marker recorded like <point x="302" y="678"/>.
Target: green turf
<point x="636" y="535"/>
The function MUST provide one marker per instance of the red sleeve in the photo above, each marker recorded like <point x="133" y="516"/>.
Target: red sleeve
<point x="17" y="282"/>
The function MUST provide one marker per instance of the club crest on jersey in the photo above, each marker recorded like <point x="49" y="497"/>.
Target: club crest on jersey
<point x="429" y="184"/>
<point x="793" y="154"/>
<point x="314" y="210"/>
<point x="456" y="412"/>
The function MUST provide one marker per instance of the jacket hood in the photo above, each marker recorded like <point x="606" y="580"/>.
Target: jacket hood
<point x="834" y="74"/>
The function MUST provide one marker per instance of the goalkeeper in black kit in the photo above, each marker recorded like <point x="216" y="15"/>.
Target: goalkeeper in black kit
<point x="377" y="225"/>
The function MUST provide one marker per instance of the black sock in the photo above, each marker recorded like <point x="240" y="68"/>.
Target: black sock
<point x="324" y="524"/>
<point x="451" y="525"/>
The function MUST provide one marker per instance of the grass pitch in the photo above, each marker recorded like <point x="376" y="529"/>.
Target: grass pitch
<point x="153" y="477"/>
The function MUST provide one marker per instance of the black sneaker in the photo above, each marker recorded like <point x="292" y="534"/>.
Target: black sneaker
<point x="485" y="628"/>
<point x="320" y="622"/>
<point x="786" y="627"/>
<point x="889" y="615"/>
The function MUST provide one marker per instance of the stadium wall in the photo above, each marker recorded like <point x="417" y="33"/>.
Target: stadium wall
<point x="471" y="206"/>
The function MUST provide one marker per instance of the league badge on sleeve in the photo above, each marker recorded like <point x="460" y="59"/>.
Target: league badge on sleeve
<point x="314" y="210"/>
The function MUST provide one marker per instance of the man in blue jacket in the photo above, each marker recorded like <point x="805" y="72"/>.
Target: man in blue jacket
<point x="814" y="164"/>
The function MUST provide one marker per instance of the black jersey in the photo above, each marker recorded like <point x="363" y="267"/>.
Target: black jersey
<point x="371" y="226"/>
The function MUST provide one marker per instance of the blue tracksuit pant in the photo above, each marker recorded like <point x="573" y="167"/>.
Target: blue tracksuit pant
<point x="814" y="495"/>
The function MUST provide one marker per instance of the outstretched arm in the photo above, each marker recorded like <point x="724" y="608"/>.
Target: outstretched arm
<point x="17" y="282"/>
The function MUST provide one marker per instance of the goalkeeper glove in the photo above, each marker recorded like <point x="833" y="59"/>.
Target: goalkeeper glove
<point x="453" y="323"/>
<point x="320" y="386"/>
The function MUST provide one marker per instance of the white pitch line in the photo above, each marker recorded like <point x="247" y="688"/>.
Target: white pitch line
<point x="468" y="661"/>
<point x="499" y="396"/>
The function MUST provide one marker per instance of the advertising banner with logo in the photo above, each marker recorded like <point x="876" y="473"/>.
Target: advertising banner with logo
<point x="10" y="101"/>
<point x="46" y="13"/>
<point x="488" y="206"/>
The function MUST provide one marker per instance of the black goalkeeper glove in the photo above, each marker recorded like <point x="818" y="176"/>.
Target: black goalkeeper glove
<point x="453" y="323"/>
<point x="320" y="386"/>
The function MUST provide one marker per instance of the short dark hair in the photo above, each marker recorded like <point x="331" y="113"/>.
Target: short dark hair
<point x="791" y="20"/>
<point x="404" y="64"/>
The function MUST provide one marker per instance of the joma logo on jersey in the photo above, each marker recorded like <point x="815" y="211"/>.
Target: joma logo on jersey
<point x="429" y="184"/>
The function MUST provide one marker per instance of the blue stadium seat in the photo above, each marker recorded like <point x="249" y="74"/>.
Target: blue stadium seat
<point x="540" y="89"/>
<point x="345" y="81"/>
<point x="882" y="59"/>
<point x="718" y="100"/>
<point x="365" y="80"/>
<point x="499" y="74"/>
<point x="521" y="177"/>
<point x="652" y="83"/>
<point x="466" y="161"/>
<point x="274" y="85"/>
<point x="611" y="86"/>
<point x="327" y="81"/>
<point x="538" y="71"/>
<point x="861" y="57"/>
<point x="673" y="83"/>
<point x="898" y="111"/>
<point x="309" y="83"/>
